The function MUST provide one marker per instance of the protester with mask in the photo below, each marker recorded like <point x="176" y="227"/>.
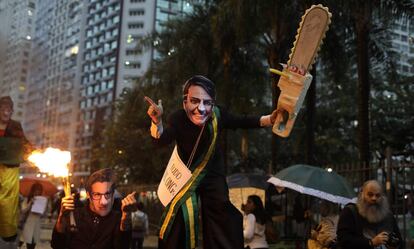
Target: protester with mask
<point x="14" y="147"/>
<point x="195" y="129"/>
<point x="370" y="223"/>
<point x="97" y="224"/>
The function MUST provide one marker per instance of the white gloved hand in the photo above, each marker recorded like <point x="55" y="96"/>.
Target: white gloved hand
<point x="154" y="111"/>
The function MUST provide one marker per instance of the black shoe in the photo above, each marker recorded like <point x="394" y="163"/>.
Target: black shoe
<point x="10" y="239"/>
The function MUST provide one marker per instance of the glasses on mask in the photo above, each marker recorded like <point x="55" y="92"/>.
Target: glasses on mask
<point x="208" y="103"/>
<point x="97" y="196"/>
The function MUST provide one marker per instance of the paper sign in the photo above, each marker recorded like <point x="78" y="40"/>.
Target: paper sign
<point x="176" y="175"/>
<point x="39" y="204"/>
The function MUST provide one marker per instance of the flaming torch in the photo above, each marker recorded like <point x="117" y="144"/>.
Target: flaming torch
<point x="55" y="162"/>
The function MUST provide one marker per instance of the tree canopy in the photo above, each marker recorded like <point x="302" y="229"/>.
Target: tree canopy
<point x="234" y="43"/>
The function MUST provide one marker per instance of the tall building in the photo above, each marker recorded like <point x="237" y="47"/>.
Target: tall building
<point x="112" y="61"/>
<point x="403" y="45"/>
<point x="16" y="34"/>
<point x="61" y="106"/>
<point x="52" y="96"/>
<point x="137" y="22"/>
<point x="35" y="98"/>
<point x="99" y="51"/>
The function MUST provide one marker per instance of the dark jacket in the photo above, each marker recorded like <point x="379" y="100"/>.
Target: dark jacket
<point x="93" y="231"/>
<point x="15" y="130"/>
<point x="351" y="226"/>
<point x="181" y="130"/>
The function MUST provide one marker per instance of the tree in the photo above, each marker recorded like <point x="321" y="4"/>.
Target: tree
<point x="362" y="15"/>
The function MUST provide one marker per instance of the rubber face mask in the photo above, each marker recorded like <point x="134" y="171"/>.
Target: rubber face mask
<point x="5" y="113"/>
<point x="101" y="198"/>
<point x="198" y="105"/>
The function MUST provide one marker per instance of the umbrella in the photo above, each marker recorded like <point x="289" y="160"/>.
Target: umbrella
<point x="242" y="185"/>
<point x="241" y="180"/>
<point x="49" y="189"/>
<point x="315" y="181"/>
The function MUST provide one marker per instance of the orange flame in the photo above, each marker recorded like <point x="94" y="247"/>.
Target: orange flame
<point x="52" y="161"/>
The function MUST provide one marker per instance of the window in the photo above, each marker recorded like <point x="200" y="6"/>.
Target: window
<point x="136" y="12"/>
<point x="112" y="70"/>
<point x="136" y="25"/>
<point x="89" y="33"/>
<point x="90" y="90"/>
<point x="137" y="1"/>
<point x="103" y="85"/>
<point x="114" y="44"/>
<point x="110" y="84"/>
<point x="115" y="19"/>
<point x="134" y="65"/>
<point x="133" y="51"/>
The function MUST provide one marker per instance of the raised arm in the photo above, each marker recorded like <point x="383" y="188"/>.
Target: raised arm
<point x="155" y="113"/>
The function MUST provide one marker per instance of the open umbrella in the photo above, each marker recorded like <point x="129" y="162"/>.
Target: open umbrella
<point x="49" y="189"/>
<point x="315" y="181"/>
<point x="242" y="185"/>
<point x="241" y="180"/>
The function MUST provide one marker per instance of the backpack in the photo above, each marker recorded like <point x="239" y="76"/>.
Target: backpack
<point x="138" y="222"/>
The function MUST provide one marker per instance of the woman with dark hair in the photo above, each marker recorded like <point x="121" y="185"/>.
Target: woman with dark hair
<point x="31" y="220"/>
<point x="255" y="223"/>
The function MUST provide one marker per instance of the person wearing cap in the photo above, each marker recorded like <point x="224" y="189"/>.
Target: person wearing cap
<point x="195" y="130"/>
<point x="12" y="141"/>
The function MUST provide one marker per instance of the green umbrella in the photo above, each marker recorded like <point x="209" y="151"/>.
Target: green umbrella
<point x="315" y="181"/>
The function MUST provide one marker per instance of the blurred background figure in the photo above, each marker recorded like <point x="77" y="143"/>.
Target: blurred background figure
<point x="14" y="147"/>
<point x="139" y="227"/>
<point x="324" y="235"/>
<point x="30" y="217"/>
<point x="254" y="223"/>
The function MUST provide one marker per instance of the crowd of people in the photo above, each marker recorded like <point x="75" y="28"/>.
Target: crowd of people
<point x="101" y="222"/>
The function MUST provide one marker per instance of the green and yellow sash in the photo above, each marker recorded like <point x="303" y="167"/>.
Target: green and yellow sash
<point x="187" y="198"/>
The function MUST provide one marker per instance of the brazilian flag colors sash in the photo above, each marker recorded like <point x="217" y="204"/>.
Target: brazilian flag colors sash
<point x="187" y="198"/>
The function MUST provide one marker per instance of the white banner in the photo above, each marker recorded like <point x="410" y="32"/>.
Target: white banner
<point x="176" y="175"/>
<point x="39" y="204"/>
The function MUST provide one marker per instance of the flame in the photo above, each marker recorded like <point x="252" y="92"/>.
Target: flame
<point x="52" y="161"/>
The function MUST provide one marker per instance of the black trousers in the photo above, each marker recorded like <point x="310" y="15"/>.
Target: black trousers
<point x="222" y="223"/>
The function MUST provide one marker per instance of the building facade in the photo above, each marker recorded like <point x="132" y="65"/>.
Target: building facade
<point x="17" y="22"/>
<point x="403" y="45"/>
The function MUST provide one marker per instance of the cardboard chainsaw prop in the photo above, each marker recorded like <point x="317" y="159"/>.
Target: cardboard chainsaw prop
<point x="294" y="79"/>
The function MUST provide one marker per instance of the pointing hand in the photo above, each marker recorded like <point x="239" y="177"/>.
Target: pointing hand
<point x="154" y="111"/>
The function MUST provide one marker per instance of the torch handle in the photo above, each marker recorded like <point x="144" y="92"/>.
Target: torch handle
<point x="68" y="192"/>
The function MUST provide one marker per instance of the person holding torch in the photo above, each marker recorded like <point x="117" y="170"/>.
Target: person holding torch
<point x="97" y="224"/>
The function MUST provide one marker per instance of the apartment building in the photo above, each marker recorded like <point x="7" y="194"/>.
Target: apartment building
<point x="17" y="22"/>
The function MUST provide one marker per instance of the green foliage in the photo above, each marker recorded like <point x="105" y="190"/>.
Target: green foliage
<point x="230" y="42"/>
<point x="128" y="146"/>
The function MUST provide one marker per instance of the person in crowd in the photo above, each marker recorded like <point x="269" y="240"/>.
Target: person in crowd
<point x="254" y="224"/>
<point x="369" y="223"/>
<point x="324" y="236"/>
<point x="140" y="227"/>
<point x="195" y="130"/>
<point x="13" y="144"/>
<point x="97" y="225"/>
<point x="30" y="220"/>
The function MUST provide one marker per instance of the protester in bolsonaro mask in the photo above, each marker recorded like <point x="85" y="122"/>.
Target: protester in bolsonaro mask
<point x="195" y="129"/>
